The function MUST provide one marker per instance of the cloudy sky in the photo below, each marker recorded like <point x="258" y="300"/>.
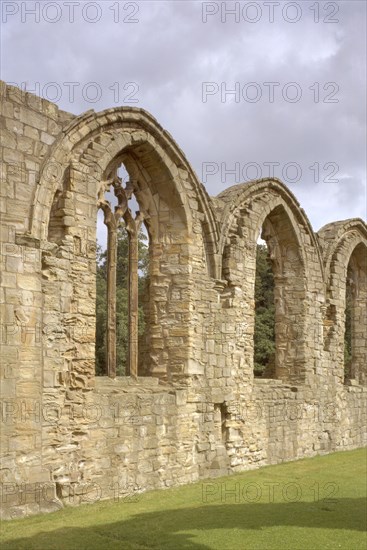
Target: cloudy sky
<point x="245" y="88"/>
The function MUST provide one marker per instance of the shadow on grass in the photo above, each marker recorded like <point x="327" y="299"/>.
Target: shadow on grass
<point x="172" y="529"/>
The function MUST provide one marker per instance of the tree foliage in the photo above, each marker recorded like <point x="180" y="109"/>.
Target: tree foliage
<point x="264" y="337"/>
<point x="122" y="300"/>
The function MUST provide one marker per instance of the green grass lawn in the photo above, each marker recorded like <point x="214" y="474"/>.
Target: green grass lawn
<point x="311" y="504"/>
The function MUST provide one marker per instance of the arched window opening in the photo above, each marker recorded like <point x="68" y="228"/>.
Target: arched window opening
<point x="264" y="334"/>
<point x="279" y="333"/>
<point x="355" y="333"/>
<point x="122" y="278"/>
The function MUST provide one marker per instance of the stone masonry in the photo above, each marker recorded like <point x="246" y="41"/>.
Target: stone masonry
<point x="195" y="410"/>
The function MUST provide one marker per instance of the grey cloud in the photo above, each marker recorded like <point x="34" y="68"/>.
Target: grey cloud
<point x="171" y="52"/>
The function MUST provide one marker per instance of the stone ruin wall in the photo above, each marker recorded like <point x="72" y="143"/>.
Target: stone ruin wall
<point x="196" y="411"/>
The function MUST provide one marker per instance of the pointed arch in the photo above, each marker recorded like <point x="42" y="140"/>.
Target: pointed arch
<point x="268" y="206"/>
<point x="91" y="141"/>
<point x="87" y="155"/>
<point x="345" y="258"/>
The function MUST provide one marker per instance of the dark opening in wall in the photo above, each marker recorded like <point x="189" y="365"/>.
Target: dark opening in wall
<point x="220" y="421"/>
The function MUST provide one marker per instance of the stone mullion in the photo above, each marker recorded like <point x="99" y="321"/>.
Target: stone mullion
<point x="133" y="301"/>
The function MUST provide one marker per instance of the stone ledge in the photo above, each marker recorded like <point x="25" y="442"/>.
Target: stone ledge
<point x="124" y="382"/>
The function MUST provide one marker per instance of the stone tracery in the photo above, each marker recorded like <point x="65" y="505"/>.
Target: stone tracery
<point x="113" y="220"/>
